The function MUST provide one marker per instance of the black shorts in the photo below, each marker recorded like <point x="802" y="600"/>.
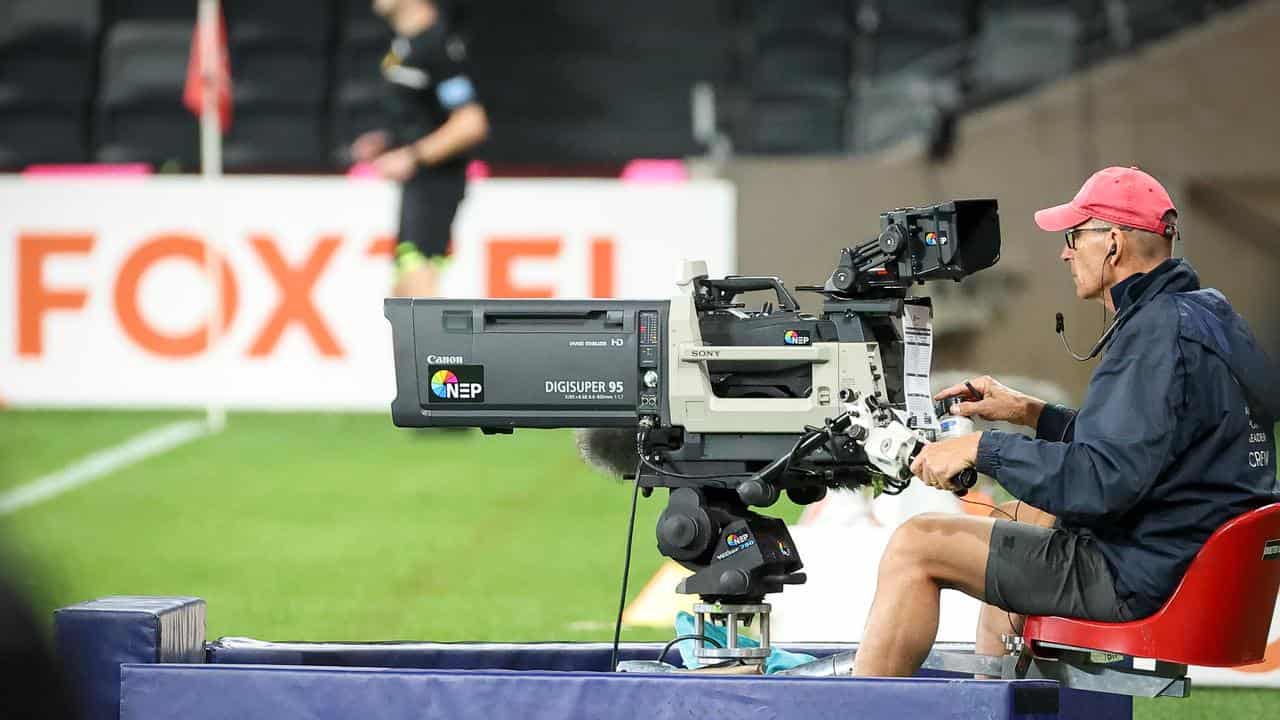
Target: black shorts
<point x="1033" y="570"/>
<point x="427" y="209"/>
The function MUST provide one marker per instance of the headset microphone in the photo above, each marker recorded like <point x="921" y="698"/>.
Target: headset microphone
<point x="1060" y="326"/>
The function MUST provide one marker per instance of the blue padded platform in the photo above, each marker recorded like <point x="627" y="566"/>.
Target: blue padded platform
<point x="582" y="657"/>
<point x="94" y="638"/>
<point x="246" y="692"/>
<point x="556" y="656"/>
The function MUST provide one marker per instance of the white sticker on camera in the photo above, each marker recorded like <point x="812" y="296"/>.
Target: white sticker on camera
<point x="917" y="336"/>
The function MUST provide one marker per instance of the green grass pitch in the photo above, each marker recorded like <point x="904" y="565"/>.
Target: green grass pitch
<point x="341" y="527"/>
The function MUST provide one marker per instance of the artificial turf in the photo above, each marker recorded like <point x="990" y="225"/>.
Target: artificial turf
<point x="312" y="526"/>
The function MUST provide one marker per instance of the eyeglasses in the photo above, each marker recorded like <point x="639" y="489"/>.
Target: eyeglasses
<point x="1072" y="233"/>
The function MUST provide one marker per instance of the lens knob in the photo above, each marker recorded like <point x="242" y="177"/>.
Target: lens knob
<point x="893" y="239"/>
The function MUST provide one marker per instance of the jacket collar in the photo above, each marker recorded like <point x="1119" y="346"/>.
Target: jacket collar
<point x="1172" y="275"/>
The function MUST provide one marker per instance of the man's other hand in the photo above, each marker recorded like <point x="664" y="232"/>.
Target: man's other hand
<point x="939" y="462"/>
<point x="369" y="146"/>
<point x="398" y="165"/>
<point x="998" y="403"/>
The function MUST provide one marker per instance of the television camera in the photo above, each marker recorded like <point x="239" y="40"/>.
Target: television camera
<point x="726" y="407"/>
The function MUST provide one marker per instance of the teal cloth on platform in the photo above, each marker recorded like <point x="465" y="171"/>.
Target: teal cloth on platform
<point x="778" y="659"/>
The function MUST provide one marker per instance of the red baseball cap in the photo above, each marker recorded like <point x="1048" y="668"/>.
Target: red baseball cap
<point x="1125" y="196"/>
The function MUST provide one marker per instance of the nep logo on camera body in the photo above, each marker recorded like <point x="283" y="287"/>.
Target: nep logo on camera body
<point x="456" y="383"/>
<point x="793" y="337"/>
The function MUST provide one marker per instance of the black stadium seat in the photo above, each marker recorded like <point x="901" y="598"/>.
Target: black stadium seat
<point x="280" y="59"/>
<point x="46" y="74"/>
<point x="898" y="35"/>
<point x="70" y="22"/>
<point x="357" y="109"/>
<point x="34" y="134"/>
<point x="898" y="107"/>
<point x="1148" y="20"/>
<point x="356" y="21"/>
<point x="1018" y="49"/>
<point x="30" y="74"/>
<point x="279" y="50"/>
<point x="306" y="23"/>
<point x="153" y="10"/>
<point x="359" y="102"/>
<point x="796" y="125"/>
<point x="267" y="139"/>
<point x="278" y="73"/>
<point x="140" y="113"/>
<point x="47" y="50"/>
<point x="798" y="63"/>
<point x="810" y="16"/>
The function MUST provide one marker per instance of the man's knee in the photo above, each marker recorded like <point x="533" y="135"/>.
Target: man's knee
<point x="915" y="539"/>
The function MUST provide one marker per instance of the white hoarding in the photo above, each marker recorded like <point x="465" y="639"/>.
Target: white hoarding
<point x="104" y="298"/>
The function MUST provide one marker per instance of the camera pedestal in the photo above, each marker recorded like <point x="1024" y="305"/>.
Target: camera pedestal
<point x="733" y="617"/>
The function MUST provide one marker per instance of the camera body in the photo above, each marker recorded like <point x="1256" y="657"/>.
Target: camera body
<point x="729" y="407"/>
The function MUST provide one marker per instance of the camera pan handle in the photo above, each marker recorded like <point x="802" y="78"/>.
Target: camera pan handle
<point x="737" y="284"/>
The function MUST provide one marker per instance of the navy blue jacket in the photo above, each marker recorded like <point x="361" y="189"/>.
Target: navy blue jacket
<point x="1175" y="437"/>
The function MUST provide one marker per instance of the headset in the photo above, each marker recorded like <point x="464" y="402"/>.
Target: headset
<point x="1171" y="232"/>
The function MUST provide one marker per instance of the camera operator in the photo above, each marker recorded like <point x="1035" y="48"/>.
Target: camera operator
<point x="436" y="120"/>
<point x="1174" y="438"/>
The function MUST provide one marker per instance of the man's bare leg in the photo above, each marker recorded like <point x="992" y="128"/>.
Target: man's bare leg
<point x="926" y="554"/>
<point x="993" y="621"/>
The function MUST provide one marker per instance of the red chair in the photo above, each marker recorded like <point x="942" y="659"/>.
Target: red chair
<point x="1219" y="615"/>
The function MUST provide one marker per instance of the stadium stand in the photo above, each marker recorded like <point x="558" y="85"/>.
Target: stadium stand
<point x="799" y="76"/>
<point x="912" y="62"/>
<point x="797" y="124"/>
<point x="150" y="10"/>
<point x="280" y="69"/>
<point x="566" y="82"/>
<point x="892" y="108"/>
<point x="1018" y="48"/>
<point x="894" y="36"/>
<point x="46" y="80"/>
<point x="140" y="114"/>
<point x="358" y="99"/>
<point x="601" y="82"/>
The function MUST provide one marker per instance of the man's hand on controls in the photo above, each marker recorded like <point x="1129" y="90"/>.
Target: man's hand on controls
<point x="939" y="462"/>
<point x="998" y="403"/>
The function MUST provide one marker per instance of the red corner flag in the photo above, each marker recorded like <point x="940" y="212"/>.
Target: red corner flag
<point x="220" y="74"/>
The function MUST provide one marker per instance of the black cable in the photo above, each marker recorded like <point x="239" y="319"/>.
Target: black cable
<point x="1013" y="517"/>
<point x="626" y="571"/>
<point x="1102" y="278"/>
<point x="681" y="476"/>
<point x="691" y="636"/>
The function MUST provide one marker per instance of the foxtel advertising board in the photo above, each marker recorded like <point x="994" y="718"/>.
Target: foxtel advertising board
<point x="105" y="299"/>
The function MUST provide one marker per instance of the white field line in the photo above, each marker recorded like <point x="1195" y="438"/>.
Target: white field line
<point x="104" y="462"/>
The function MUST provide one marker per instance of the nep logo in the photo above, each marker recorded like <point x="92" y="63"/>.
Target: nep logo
<point x="791" y="337"/>
<point x="736" y="539"/>
<point x="457" y="383"/>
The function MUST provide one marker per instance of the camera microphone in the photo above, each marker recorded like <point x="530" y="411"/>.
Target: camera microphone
<point x="1060" y="329"/>
<point x="1060" y="325"/>
<point x="612" y="451"/>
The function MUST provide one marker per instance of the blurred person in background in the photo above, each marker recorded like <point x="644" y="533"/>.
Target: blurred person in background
<point x="32" y="684"/>
<point x="1174" y="439"/>
<point x="436" y="120"/>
